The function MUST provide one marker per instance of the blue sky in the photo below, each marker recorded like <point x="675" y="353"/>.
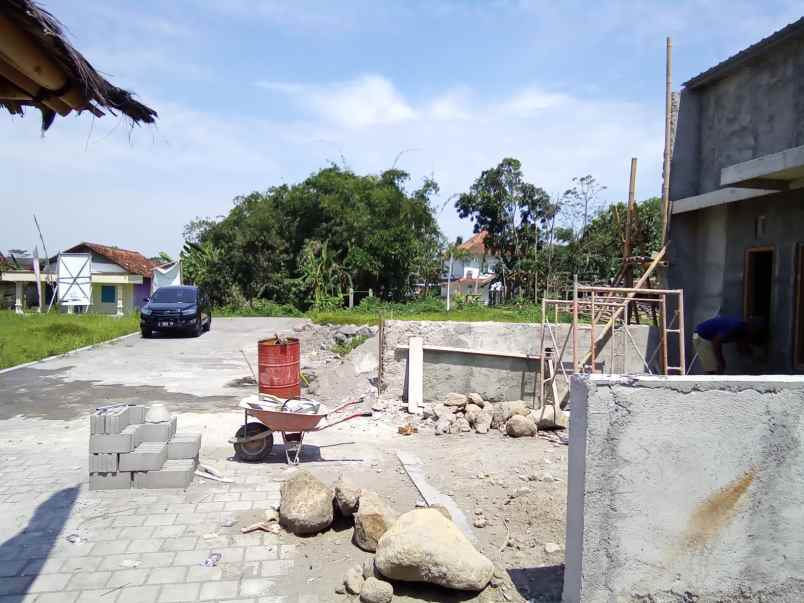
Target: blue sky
<point x="254" y="93"/>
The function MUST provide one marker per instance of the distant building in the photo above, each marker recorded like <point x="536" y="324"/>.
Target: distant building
<point x="120" y="279"/>
<point x="737" y="191"/>
<point x="473" y="272"/>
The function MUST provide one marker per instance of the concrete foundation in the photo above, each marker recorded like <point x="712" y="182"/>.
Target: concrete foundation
<point x="685" y="489"/>
<point x="496" y="378"/>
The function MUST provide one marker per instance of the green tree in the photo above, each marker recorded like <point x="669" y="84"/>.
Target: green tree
<point x="513" y="212"/>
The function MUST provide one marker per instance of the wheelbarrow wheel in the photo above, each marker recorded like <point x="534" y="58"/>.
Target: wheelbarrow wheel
<point x="256" y="450"/>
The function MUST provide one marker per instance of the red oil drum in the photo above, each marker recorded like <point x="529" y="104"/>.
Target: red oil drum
<point x="279" y="367"/>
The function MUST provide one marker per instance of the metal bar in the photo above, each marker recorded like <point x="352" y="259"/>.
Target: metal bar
<point x="588" y="289"/>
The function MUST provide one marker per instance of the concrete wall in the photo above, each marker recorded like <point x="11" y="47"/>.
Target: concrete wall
<point x="756" y="110"/>
<point x="707" y="260"/>
<point x="686" y="489"/>
<point x="495" y="378"/>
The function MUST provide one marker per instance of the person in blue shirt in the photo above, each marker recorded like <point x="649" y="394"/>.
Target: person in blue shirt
<point x="710" y="336"/>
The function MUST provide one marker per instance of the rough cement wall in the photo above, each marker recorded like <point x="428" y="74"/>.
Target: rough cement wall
<point x="685" y="489"/>
<point x="707" y="260"/>
<point x="757" y="110"/>
<point x="495" y="378"/>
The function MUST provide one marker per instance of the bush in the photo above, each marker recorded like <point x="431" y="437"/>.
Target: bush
<point x="260" y="307"/>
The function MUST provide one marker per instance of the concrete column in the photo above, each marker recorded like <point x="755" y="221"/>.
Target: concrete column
<point x="18" y="298"/>
<point x="120" y="300"/>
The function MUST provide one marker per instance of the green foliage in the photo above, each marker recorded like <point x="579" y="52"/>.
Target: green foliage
<point x="35" y="336"/>
<point x="260" y="307"/>
<point x="306" y="244"/>
<point x="341" y="349"/>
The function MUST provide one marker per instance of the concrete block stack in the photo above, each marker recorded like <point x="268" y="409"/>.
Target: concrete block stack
<point x="125" y="450"/>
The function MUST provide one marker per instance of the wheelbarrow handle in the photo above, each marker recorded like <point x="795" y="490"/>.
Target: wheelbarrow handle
<point x="342" y="406"/>
<point x="365" y="413"/>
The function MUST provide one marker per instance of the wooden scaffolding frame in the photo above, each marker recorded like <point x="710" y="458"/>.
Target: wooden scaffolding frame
<point x="593" y="306"/>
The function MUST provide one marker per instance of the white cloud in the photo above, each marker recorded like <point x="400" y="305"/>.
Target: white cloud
<point x="530" y="101"/>
<point x="454" y="105"/>
<point x="369" y="100"/>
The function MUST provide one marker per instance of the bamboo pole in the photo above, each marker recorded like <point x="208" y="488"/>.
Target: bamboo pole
<point x="541" y="355"/>
<point x="28" y="85"/>
<point x="575" y="324"/>
<point x="28" y="58"/>
<point x="681" y="335"/>
<point x="628" y="214"/>
<point x="592" y="333"/>
<point x="668" y="107"/>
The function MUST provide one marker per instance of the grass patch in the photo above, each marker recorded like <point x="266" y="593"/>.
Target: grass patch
<point x="341" y="349"/>
<point x="36" y="336"/>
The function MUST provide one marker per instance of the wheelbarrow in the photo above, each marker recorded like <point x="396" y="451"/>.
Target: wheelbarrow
<point x="255" y="439"/>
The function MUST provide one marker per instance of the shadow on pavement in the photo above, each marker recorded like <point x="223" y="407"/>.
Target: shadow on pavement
<point x="23" y="556"/>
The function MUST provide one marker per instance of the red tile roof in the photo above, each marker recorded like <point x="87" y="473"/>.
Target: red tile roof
<point x="476" y="244"/>
<point x="133" y="261"/>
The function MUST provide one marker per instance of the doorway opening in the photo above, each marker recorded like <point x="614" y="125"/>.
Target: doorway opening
<point x="759" y="283"/>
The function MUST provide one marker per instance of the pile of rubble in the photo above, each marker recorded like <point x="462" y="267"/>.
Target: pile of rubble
<point x="422" y="545"/>
<point x="133" y="445"/>
<point x="462" y="413"/>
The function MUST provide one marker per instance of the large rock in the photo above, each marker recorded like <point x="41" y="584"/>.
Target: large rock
<point x="425" y="546"/>
<point x="305" y="505"/>
<point x="471" y="412"/>
<point x="442" y="426"/>
<point x="347" y="496"/>
<point x="353" y="581"/>
<point x="519" y="427"/>
<point x="476" y="399"/>
<point x="483" y="422"/>
<point x="505" y="410"/>
<point x="443" y="412"/>
<point x="550" y="418"/>
<point x="462" y="425"/>
<point x="454" y="399"/>
<point x="373" y="518"/>
<point x="376" y="591"/>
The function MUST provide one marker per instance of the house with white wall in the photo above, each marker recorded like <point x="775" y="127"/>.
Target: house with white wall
<point x="120" y="279"/>
<point x="472" y="271"/>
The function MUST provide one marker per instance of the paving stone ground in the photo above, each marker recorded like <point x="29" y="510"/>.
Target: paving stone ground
<point x="138" y="546"/>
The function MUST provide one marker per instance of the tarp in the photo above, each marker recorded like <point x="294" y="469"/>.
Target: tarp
<point x="74" y="280"/>
<point x="166" y="276"/>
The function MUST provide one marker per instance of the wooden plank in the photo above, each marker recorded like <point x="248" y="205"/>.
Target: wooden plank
<point x="442" y="348"/>
<point x="415" y="375"/>
<point x="415" y="470"/>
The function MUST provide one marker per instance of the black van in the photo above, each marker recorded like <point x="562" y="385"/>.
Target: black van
<point x="184" y="308"/>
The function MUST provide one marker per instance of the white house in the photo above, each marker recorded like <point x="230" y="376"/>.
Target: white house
<point x="472" y="274"/>
<point x="120" y="279"/>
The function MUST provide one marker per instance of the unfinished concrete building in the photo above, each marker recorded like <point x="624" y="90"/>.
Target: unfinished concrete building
<point x="737" y="192"/>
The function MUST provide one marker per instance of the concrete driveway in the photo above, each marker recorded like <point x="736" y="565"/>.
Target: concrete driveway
<point x="190" y="374"/>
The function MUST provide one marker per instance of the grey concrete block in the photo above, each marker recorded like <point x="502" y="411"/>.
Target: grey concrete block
<point x="148" y="456"/>
<point x="110" y="481"/>
<point x="117" y="419"/>
<point x="156" y="432"/>
<point x="184" y="446"/>
<point x="103" y="463"/>
<point x="136" y="414"/>
<point x="97" y="423"/>
<point x="118" y="442"/>
<point x="173" y="474"/>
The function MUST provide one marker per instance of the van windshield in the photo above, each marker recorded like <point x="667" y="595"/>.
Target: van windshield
<point x="171" y="295"/>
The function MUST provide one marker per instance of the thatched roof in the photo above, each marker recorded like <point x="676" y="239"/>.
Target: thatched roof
<point x="40" y="68"/>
